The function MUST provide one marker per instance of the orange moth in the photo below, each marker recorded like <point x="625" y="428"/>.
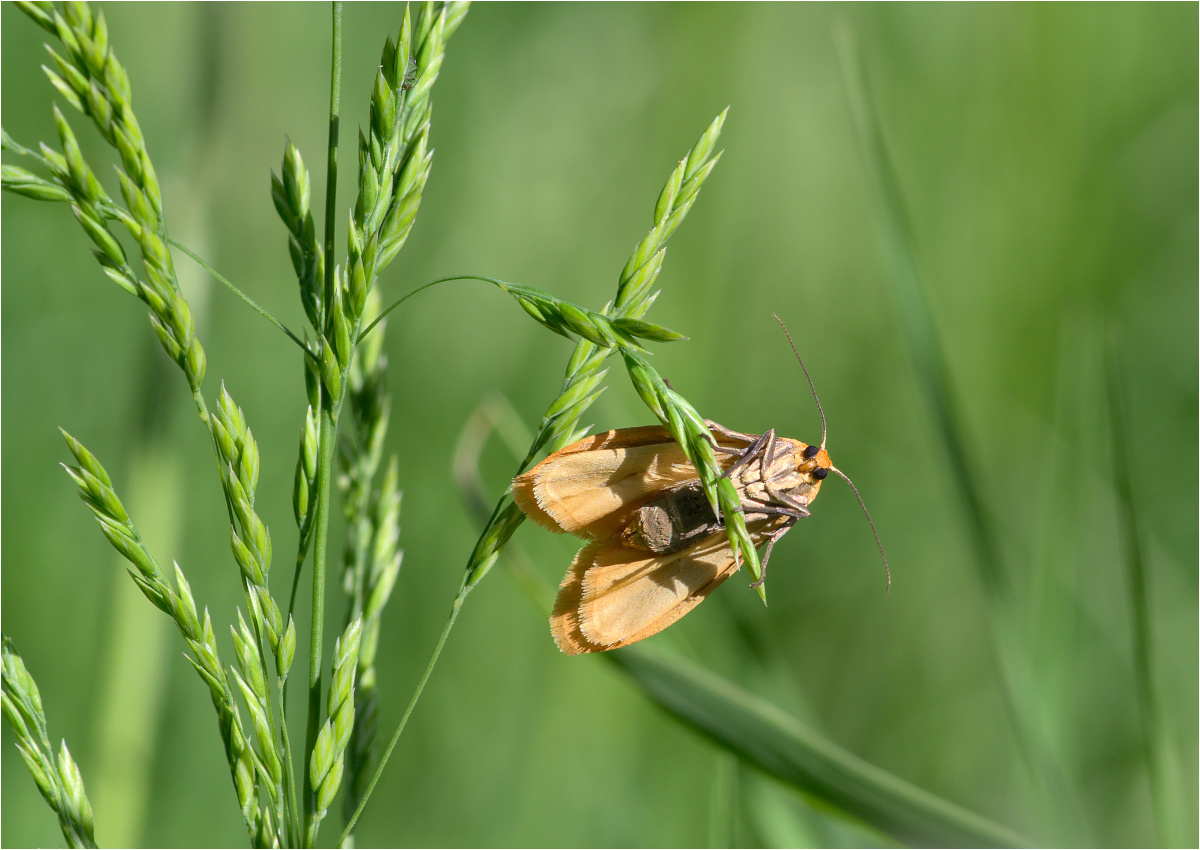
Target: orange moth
<point x="656" y="549"/>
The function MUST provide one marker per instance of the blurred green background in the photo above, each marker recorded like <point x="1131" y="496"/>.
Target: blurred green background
<point x="1048" y="158"/>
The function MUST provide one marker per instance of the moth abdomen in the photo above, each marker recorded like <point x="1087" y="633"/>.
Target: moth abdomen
<point x="672" y="521"/>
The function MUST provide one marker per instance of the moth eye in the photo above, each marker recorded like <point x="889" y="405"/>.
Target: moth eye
<point x="811" y="451"/>
<point x="819" y="473"/>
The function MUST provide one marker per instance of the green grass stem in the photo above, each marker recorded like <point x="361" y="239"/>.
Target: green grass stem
<point x="326" y="432"/>
<point x="455" y="608"/>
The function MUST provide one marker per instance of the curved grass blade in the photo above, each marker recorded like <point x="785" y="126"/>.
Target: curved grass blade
<point x="770" y="739"/>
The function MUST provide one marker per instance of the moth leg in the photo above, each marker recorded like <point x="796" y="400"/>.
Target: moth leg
<point x="779" y="495"/>
<point x="751" y="453"/>
<point x="717" y="447"/>
<point x="799" y="512"/>
<point x="725" y="432"/>
<point x="752" y="509"/>
<point x="772" y="444"/>
<point x="799" y="507"/>
<point x="771" y="538"/>
<point x="786" y="498"/>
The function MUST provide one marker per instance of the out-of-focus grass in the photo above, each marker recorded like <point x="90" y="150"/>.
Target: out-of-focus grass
<point x="1053" y="796"/>
<point x="1046" y="156"/>
<point x="1161" y="763"/>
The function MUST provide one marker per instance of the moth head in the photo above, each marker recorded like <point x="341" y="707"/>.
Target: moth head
<point x="814" y="464"/>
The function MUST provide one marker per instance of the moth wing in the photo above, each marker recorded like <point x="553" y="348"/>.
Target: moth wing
<point x="613" y="596"/>
<point x="592" y="487"/>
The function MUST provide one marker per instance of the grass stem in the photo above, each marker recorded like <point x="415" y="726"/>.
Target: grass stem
<point x="228" y="284"/>
<point x="412" y="704"/>
<point x="327" y="435"/>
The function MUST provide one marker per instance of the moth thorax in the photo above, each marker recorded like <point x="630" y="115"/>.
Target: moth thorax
<point x="671" y="522"/>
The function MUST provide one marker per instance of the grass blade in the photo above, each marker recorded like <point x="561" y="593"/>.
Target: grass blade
<point x="770" y="739"/>
<point x="1156" y="740"/>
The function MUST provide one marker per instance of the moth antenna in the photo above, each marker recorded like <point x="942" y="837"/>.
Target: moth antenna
<point x="887" y="570"/>
<point x="810" y="383"/>
<point x="824" y="432"/>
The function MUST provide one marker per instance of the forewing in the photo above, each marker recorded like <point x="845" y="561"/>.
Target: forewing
<point x="592" y="487"/>
<point x="613" y="596"/>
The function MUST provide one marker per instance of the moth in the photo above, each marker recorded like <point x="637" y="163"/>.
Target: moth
<point x="655" y="547"/>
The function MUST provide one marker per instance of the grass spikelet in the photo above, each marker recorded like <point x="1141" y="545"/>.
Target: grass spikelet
<point x="633" y="298"/>
<point x="328" y="758"/>
<point x="58" y="778"/>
